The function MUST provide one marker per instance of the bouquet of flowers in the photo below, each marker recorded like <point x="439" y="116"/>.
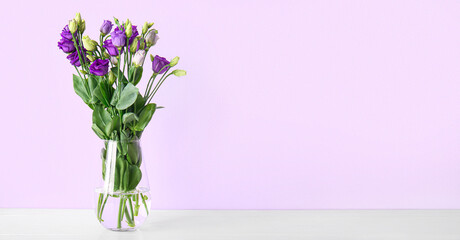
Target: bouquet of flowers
<point x="108" y="71"/>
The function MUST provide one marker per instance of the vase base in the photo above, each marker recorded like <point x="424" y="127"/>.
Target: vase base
<point x="123" y="229"/>
<point x="122" y="211"/>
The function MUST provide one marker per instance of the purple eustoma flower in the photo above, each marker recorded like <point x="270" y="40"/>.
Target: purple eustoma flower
<point x="117" y="31"/>
<point x="118" y="37"/>
<point x="66" y="33"/>
<point x="74" y="59"/>
<point x="111" y="49"/>
<point x="158" y="63"/>
<point x="106" y="27"/>
<point x="99" y="67"/>
<point x="66" y="45"/>
<point x="66" y="42"/>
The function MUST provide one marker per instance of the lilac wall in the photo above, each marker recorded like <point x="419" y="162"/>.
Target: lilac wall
<point x="288" y="104"/>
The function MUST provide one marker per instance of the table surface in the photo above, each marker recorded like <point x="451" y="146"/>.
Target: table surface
<point x="238" y="224"/>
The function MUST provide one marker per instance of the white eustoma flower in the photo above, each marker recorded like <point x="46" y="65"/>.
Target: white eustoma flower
<point x="114" y="60"/>
<point x="139" y="58"/>
<point x="152" y="37"/>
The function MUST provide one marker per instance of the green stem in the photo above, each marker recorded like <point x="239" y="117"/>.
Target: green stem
<point x="145" y="204"/>
<point x="99" y="203"/>
<point x="103" y="206"/>
<point x="78" y="52"/>
<point x="121" y="121"/>
<point x="159" y="85"/>
<point x="126" y="56"/>
<point x="163" y="77"/>
<point x="79" y="74"/>
<point x="101" y="42"/>
<point x="149" y="85"/>
<point x="131" y="208"/>
<point x="136" y="207"/>
<point x="83" y="66"/>
<point x="129" y="218"/>
<point x="97" y="52"/>
<point x="120" y="212"/>
<point x="84" y="56"/>
<point x="120" y="86"/>
<point x="134" y="75"/>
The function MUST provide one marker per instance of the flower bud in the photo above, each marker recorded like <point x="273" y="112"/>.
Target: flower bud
<point x="174" y="62"/>
<point x="78" y="18"/>
<point x="139" y="58"/>
<point x="129" y="29"/>
<point x="106" y="55"/>
<point x="112" y="78"/>
<point x="82" y="26"/>
<point x="73" y="26"/>
<point x="151" y="38"/>
<point x="146" y="27"/>
<point x="89" y="44"/>
<point x="151" y="57"/>
<point x="91" y="58"/>
<point x="179" y="73"/>
<point x="114" y="60"/>
<point x="83" y="71"/>
<point x="142" y="44"/>
<point x="106" y="27"/>
<point x="134" y="45"/>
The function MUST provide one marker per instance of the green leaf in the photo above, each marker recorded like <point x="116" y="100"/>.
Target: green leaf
<point x="129" y="117"/>
<point x="111" y="125"/>
<point x="135" y="176"/>
<point x="121" y="166"/>
<point x="101" y="93"/>
<point x="92" y="82"/>
<point x="80" y="90"/>
<point x="118" y="73"/>
<point x="101" y="117"/>
<point x="125" y="183"/>
<point x="145" y="116"/>
<point x="135" y="74"/>
<point x="115" y="95"/>
<point x="124" y="140"/>
<point x="133" y="152"/>
<point x="138" y="104"/>
<point x="94" y="100"/>
<point x="97" y="95"/>
<point x="98" y="131"/>
<point x="139" y="159"/>
<point x="106" y="90"/>
<point x="128" y="97"/>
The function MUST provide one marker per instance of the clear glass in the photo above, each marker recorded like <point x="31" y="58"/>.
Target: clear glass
<point x="123" y="198"/>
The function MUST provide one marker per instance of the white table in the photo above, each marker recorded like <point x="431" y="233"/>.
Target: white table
<point x="236" y="225"/>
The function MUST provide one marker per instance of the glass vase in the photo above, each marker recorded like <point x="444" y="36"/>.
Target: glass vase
<point x="123" y="197"/>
